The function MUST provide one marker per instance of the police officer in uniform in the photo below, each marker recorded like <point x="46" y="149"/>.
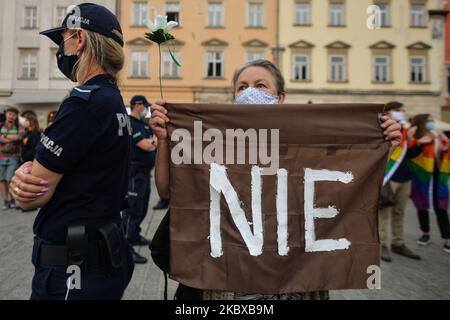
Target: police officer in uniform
<point x="143" y="157"/>
<point x="79" y="176"/>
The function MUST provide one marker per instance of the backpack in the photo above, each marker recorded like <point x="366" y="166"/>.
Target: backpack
<point x="160" y="248"/>
<point x="160" y="251"/>
<point x="160" y="245"/>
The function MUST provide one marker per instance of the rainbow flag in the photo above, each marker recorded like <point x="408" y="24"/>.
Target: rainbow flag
<point x="443" y="180"/>
<point x="422" y="183"/>
<point x="396" y="158"/>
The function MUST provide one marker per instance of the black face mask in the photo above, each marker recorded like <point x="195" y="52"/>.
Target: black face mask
<point x="66" y="63"/>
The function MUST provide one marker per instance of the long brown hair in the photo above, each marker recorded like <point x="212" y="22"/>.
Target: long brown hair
<point x="51" y="116"/>
<point x="34" y="123"/>
<point x="420" y="121"/>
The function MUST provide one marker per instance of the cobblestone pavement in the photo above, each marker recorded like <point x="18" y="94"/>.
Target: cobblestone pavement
<point x="401" y="279"/>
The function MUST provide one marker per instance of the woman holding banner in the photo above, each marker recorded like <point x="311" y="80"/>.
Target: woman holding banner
<point x="258" y="82"/>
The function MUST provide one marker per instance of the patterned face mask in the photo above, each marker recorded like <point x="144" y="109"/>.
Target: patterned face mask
<point x="255" y="96"/>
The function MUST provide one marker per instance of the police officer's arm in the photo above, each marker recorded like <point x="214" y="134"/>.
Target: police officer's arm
<point x="36" y="196"/>
<point x="158" y="124"/>
<point x="139" y="137"/>
<point x="147" y="145"/>
<point x="63" y="146"/>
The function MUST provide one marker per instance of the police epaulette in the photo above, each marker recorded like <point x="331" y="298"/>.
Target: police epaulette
<point x="83" y="92"/>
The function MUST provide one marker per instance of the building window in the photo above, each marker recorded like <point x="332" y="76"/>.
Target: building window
<point x="60" y="14"/>
<point x="140" y="13"/>
<point x="55" y="73"/>
<point x="437" y="28"/>
<point x="417" y="15"/>
<point x="384" y="14"/>
<point x="254" y="55"/>
<point x="215" y="14"/>
<point x="214" y="64"/>
<point x="337" y="68"/>
<point x="255" y="14"/>
<point x="300" y="68"/>
<point x="139" y="64"/>
<point x="30" y="18"/>
<point x="417" y="69"/>
<point x="28" y="64"/>
<point x="173" y="11"/>
<point x="302" y="13"/>
<point x="381" y="69"/>
<point x="337" y="14"/>
<point x="169" y="67"/>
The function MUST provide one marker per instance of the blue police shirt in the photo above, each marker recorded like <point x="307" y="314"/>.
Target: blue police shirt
<point x="141" y="131"/>
<point x="89" y="143"/>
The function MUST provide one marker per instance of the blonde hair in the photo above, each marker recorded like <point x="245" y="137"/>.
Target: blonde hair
<point x="102" y="51"/>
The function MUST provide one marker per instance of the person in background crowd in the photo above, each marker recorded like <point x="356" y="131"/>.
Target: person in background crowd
<point x="24" y="114"/>
<point x="430" y="173"/>
<point x="257" y="82"/>
<point x="143" y="157"/>
<point x="10" y="140"/>
<point x="51" y="118"/>
<point x="398" y="176"/>
<point x="2" y="117"/>
<point x="32" y="136"/>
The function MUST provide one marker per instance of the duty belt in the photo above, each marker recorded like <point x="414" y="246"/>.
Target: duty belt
<point x="106" y="252"/>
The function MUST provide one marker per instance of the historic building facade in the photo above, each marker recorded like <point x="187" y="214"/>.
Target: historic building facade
<point x="328" y="50"/>
<point x="364" y="51"/>
<point x="29" y="76"/>
<point x="214" y="38"/>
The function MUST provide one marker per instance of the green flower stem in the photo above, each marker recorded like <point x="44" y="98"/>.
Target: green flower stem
<point x="160" y="74"/>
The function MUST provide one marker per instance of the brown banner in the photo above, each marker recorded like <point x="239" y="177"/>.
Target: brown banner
<point x="318" y="211"/>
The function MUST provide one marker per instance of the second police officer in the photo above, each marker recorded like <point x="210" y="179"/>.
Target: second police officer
<point x="79" y="176"/>
<point x="143" y="157"/>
